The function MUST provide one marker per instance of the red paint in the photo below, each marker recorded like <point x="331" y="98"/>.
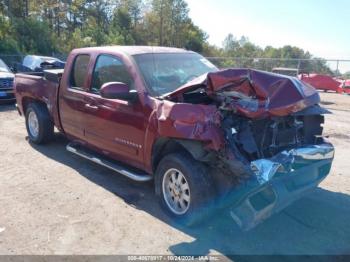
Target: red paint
<point x="128" y="131"/>
<point x="322" y="82"/>
<point x="125" y="131"/>
<point x="268" y="94"/>
<point x="109" y="90"/>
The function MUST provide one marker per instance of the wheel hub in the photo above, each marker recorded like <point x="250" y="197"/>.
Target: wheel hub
<point x="33" y="124"/>
<point x="176" y="191"/>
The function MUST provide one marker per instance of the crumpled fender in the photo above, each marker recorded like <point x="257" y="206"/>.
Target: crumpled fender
<point x="188" y="121"/>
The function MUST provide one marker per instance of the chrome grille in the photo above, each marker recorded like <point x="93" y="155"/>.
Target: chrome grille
<point x="6" y="83"/>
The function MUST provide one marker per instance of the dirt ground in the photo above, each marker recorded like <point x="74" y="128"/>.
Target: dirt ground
<point x="52" y="202"/>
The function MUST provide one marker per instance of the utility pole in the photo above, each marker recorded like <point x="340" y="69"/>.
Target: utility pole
<point x="338" y="73"/>
<point x="161" y="23"/>
<point x="27" y="8"/>
<point x="299" y="64"/>
<point x="9" y="12"/>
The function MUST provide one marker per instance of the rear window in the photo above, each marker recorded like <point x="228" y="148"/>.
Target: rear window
<point x="80" y="71"/>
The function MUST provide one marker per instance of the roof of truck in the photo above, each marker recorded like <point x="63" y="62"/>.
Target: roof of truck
<point x="136" y="50"/>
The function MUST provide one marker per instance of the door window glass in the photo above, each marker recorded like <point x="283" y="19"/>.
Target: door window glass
<point x="110" y="69"/>
<point x="80" y="71"/>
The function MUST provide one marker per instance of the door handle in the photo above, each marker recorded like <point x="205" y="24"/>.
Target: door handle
<point x="91" y="107"/>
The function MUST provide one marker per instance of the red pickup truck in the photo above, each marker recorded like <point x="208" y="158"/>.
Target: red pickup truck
<point x="243" y="141"/>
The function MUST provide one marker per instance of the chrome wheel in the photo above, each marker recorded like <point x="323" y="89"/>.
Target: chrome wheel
<point x="176" y="191"/>
<point x="33" y="124"/>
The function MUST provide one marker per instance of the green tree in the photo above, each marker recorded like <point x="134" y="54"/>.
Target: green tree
<point x="76" y="40"/>
<point x="51" y="26"/>
<point x="346" y="75"/>
<point x="122" y="25"/>
<point x="168" y="23"/>
<point x="8" y="41"/>
<point x="27" y="35"/>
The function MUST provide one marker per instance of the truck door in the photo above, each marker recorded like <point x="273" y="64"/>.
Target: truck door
<point x="72" y="104"/>
<point x="116" y="127"/>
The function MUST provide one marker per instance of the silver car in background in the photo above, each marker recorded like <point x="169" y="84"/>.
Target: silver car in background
<point x="6" y="83"/>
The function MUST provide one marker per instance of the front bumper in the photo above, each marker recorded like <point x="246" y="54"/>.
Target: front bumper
<point x="7" y="95"/>
<point x="279" y="181"/>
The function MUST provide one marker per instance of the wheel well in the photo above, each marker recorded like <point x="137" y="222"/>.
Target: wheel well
<point x="164" y="146"/>
<point x="26" y="101"/>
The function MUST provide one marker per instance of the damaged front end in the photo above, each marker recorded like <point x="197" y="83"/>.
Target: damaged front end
<point x="283" y="157"/>
<point x="278" y="182"/>
<point x="273" y="150"/>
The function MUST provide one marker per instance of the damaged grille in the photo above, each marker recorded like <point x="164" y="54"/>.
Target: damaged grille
<point x="273" y="136"/>
<point x="264" y="138"/>
<point x="6" y="83"/>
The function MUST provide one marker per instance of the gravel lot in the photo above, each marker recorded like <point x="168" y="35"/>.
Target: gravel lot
<point x="52" y="202"/>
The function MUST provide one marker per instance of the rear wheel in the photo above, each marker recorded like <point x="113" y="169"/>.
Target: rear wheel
<point x="184" y="188"/>
<point x="39" y="125"/>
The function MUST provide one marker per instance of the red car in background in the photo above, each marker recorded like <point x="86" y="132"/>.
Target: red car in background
<point x="323" y="82"/>
<point x="346" y="86"/>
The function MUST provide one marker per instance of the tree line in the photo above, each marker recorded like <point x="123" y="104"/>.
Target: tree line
<point x="49" y="27"/>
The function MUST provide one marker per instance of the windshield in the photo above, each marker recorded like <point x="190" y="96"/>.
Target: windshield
<point x="3" y="67"/>
<point x="166" y="72"/>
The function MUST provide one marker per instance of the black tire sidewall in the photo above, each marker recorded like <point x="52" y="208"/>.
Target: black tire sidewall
<point x="200" y="183"/>
<point x="44" y="122"/>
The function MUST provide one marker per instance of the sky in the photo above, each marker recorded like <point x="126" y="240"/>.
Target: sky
<point x="321" y="27"/>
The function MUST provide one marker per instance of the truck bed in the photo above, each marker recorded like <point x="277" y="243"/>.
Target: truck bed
<point x="41" y="87"/>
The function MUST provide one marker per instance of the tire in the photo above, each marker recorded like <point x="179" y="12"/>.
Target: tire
<point x="40" y="127"/>
<point x="201" y="189"/>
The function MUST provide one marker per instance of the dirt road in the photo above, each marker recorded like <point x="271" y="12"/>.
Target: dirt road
<point x="52" y="202"/>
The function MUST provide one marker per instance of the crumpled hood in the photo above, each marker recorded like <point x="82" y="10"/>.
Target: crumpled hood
<point x="254" y="93"/>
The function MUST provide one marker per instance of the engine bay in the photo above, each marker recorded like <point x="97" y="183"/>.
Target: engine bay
<point x="264" y="138"/>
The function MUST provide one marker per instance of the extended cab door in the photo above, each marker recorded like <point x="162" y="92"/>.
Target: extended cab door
<point x="72" y="105"/>
<point x="116" y="127"/>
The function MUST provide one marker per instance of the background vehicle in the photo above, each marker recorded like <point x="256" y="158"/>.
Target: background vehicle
<point x="286" y="71"/>
<point x="245" y="141"/>
<point x="346" y="86"/>
<point x="34" y="63"/>
<point x="322" y="82"/>
<point x="6" y="83"/>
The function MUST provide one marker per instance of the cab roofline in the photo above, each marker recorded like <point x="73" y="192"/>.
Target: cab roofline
<point x="135" y="50"/>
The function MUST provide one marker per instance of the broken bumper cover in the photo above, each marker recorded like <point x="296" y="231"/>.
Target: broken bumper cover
<point x="279" y="181"/>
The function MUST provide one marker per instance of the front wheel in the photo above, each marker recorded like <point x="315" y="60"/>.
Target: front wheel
<point x="184" y="188"/>
<point x="39" y="125"/>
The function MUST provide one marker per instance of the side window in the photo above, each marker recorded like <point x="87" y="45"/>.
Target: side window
<point x="80" y="71"/>
<point x="110" y="69"/>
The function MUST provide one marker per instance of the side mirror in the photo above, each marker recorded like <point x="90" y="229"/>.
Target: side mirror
<point x="118" y="90"/>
